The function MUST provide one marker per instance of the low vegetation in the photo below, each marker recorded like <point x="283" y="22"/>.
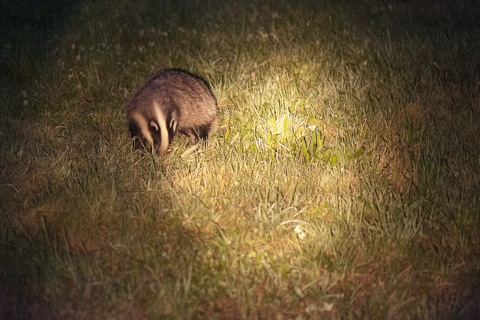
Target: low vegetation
<point x="343" y="182"/>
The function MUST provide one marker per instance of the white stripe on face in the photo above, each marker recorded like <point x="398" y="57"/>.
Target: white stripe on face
<point x="162" y="122"/>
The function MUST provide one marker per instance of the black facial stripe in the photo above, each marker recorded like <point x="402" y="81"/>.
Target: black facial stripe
<point x="156" y="135"/>
<point x="171" y="131"/>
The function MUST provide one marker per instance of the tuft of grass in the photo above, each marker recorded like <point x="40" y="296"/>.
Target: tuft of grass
<point x="344" y="182"/>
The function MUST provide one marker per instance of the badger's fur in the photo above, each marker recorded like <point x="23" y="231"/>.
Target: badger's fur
<point x="172" y="100"/>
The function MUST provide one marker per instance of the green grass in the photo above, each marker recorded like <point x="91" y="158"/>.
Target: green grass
<point x="344" y="182"/>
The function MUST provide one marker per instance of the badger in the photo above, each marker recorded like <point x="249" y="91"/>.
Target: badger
<point x="172" y="100"/>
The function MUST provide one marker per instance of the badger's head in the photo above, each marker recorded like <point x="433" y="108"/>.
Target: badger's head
<point x="153" y="129"/>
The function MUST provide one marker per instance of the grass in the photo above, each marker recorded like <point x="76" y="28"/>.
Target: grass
<point x="345" y="183"/>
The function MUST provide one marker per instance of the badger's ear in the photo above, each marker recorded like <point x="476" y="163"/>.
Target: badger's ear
<point x="154" y="125"/>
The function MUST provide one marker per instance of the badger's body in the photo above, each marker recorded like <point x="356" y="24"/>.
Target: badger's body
<point x="172" y="100"/>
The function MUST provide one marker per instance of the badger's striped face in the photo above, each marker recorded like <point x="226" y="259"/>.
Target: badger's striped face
<point x="155" y="132"/>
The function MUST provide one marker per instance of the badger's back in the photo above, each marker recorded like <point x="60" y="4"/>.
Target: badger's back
<point x="187" y="94"/>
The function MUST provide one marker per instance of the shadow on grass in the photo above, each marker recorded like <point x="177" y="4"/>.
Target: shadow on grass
<point x="117" y="264"/>
<point x="28" y="31"/>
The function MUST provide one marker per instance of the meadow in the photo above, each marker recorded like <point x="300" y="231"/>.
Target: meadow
<point x="343" y="182"/>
